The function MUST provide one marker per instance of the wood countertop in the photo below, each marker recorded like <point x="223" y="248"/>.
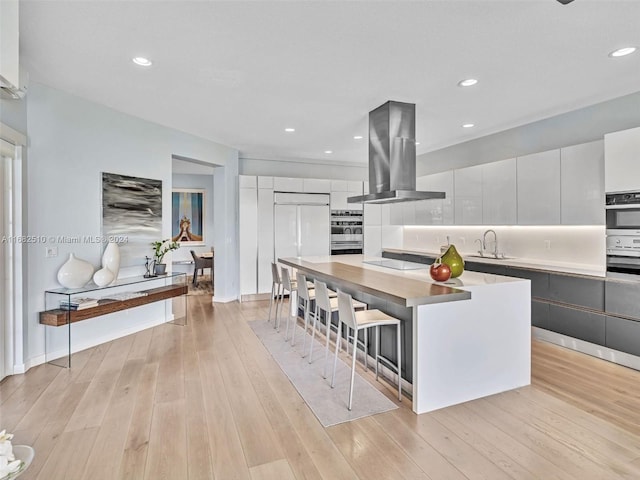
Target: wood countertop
<point x="393" y="287"/>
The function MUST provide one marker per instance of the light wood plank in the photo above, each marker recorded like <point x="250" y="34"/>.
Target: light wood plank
<point x="167" y="457"/>
<point x="279" y="469"/>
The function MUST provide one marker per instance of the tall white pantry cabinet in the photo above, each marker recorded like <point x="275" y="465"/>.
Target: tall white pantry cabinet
<point x="256" y="229"/>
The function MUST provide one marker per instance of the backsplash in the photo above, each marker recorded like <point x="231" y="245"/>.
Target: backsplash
<point x="580" y="245"/>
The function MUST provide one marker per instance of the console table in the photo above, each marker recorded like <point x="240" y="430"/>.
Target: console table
<point x="124" y="294"/>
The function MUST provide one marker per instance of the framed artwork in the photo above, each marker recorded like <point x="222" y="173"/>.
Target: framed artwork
<point x="132" y="211"/>
<point x="187" y="216"/>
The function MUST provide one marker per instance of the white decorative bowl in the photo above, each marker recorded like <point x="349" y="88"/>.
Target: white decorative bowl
<point x="24" y="453"/>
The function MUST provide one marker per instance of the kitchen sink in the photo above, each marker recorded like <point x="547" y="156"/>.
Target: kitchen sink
<point x="490" y="257"/>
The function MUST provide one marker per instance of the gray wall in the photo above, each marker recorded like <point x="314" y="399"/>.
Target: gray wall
<point x="71" y="141"/>
<point x="579" y="126"/>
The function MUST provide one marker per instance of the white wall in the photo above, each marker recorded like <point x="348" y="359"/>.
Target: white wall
<point x="71" y="141"/>
<point x="579" y="246"/>
<point x="305" y="169"/>
<point x="203" y="182"/>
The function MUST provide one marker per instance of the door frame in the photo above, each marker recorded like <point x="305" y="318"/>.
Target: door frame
<point x="14" y="333"/>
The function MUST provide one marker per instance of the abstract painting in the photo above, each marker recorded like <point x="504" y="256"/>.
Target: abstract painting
<point x="132" y="210"/>
<point x="187" y="216"/>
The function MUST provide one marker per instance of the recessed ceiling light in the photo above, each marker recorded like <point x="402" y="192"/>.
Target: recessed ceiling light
<point x="358" y="137"/>
<point x="468" y="125"/>
<point x="142" y="61"/>
<point x="621" y="52"/>
<point x="328" y="151"/>
<point x="289" y="129"/>
<point x="467" y="82"/>
<point x="417" y="143"/>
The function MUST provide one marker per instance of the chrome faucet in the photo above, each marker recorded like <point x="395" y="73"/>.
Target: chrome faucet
<point x="495" y="242"/>
<point x="481" y="251"/>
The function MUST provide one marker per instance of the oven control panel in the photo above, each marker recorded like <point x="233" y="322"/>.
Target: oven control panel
<point x="623" y="245"/>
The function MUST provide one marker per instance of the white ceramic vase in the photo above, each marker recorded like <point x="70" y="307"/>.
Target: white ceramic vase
<point x="75" y="273"/>
<point x="111" y="259"/>
<point x="103" y="277"/>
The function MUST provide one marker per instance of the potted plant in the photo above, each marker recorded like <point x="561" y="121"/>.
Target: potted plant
<point x="160" y="249"/>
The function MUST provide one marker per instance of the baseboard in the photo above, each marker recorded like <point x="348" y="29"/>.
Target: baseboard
<point x="40" y="359"/>
<point x="592" y="349"/>
<point x="254" y="297"/>
<point x="18" y="369"/>
<point x="215" y="299"/>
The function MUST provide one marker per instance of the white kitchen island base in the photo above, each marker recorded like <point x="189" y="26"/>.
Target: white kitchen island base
<point x="472" y="348"/>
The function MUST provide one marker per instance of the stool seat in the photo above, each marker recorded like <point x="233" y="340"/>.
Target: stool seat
<point x="371" y="318"/>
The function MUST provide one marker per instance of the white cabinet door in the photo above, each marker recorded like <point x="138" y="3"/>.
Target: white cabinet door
<point x="248" y="233"/>
<point x="539" y="188"/>
<point x="468" y="195"/>
<point x="247" y="181"/>
<point x="339" y="186"/>
<point x="286" y="231"/>
<point x="499" y="194"/>
<point x="582" y="184"/>
<point x="316" y="185"/>
<point x="282" y="184"/>
<point x="339" y="201"/>
<point x="621" y="165"/>
<point x="372" y="214"/>
<point x="315" y="230"/>
<point x="435" y="211"/>
<point x="265" y="238"/>
<point x="355" y="187"/>
<point x="265" y="182"/>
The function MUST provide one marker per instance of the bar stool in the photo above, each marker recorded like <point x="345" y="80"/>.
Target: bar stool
<point x="325" y="306"/>
<point x="276" y="285"/>
<point x="289" y="286"/>
<point x="363" y="320"/>
<point x="304" y="304"/>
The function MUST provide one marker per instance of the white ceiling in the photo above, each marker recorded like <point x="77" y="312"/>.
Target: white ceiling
<point x="240" y="72"/>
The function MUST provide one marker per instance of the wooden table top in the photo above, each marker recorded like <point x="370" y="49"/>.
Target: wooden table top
<point x="408" y="292"/>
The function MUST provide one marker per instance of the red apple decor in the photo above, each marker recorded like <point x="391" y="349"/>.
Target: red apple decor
<point x="439" y="271"/>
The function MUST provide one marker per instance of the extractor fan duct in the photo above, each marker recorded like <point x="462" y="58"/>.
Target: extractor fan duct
<point x="392" y="156"/>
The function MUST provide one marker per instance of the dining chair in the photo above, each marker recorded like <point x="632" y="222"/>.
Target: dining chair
<point x="200" y="263"/>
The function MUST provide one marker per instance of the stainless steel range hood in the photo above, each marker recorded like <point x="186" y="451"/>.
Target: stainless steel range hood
<point x="392" y="156"/>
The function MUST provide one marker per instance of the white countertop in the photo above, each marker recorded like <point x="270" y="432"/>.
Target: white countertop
<point x="534" y="264"/>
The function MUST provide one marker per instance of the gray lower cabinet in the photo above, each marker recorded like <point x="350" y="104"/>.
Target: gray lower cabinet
<point x="581" y="291"/>
<point x="581" y="324"/>
<point x="485" y="268"/>
<point x="539" y="280"/>
<point x="622" y="298"/>
<point x="540" y="314"/>
<point x="623" y="335"/>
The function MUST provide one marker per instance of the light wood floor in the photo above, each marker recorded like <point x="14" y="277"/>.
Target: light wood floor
<point x="206" y="401"/>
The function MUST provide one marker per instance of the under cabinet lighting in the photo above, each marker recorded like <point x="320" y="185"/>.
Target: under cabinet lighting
<point x="621" y="52"/>
<point x="142" y="61"/>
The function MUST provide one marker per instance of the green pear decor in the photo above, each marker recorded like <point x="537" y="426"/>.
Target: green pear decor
<point x="452" y="258"/>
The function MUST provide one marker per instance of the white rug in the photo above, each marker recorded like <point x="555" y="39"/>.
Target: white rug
<point x="328" y="404"/>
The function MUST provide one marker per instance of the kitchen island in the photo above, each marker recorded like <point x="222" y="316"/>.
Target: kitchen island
<point x="463" y="339"/>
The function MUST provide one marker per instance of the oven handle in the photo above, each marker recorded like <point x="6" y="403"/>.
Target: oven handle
<point x="623" y="206"/>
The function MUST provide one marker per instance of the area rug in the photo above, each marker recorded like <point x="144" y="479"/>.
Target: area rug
<point x="328" y="404"/>
<point x="203" y="286"/>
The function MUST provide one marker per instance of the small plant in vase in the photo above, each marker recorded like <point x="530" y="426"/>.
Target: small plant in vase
<point x="160" y="249"/>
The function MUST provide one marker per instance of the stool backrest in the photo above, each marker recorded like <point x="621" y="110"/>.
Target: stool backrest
<point x="322" y="296"/>
<point x="345" y="310"/>
<point x="275" y="275"/>
<point x="303" y="291"/>
<point x="286" y="279"/>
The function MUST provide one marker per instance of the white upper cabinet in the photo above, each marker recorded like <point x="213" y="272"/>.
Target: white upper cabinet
<point x="539" y="188"/>
<point x="247" y="181"/>
<point x="339" y="201"/>
<point x="265" y="182"/>
<point x="499" y="195"/>
<point x="283" y="184"/>
<point x="435" y="211"/>
<point x="468" y="195"/>
<point x="339" y="186"/>
<point x="355" y="187"/>
<point x="582" y="184"/>
<point x="316" y="185"/>
<point x="622" y="161"/>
